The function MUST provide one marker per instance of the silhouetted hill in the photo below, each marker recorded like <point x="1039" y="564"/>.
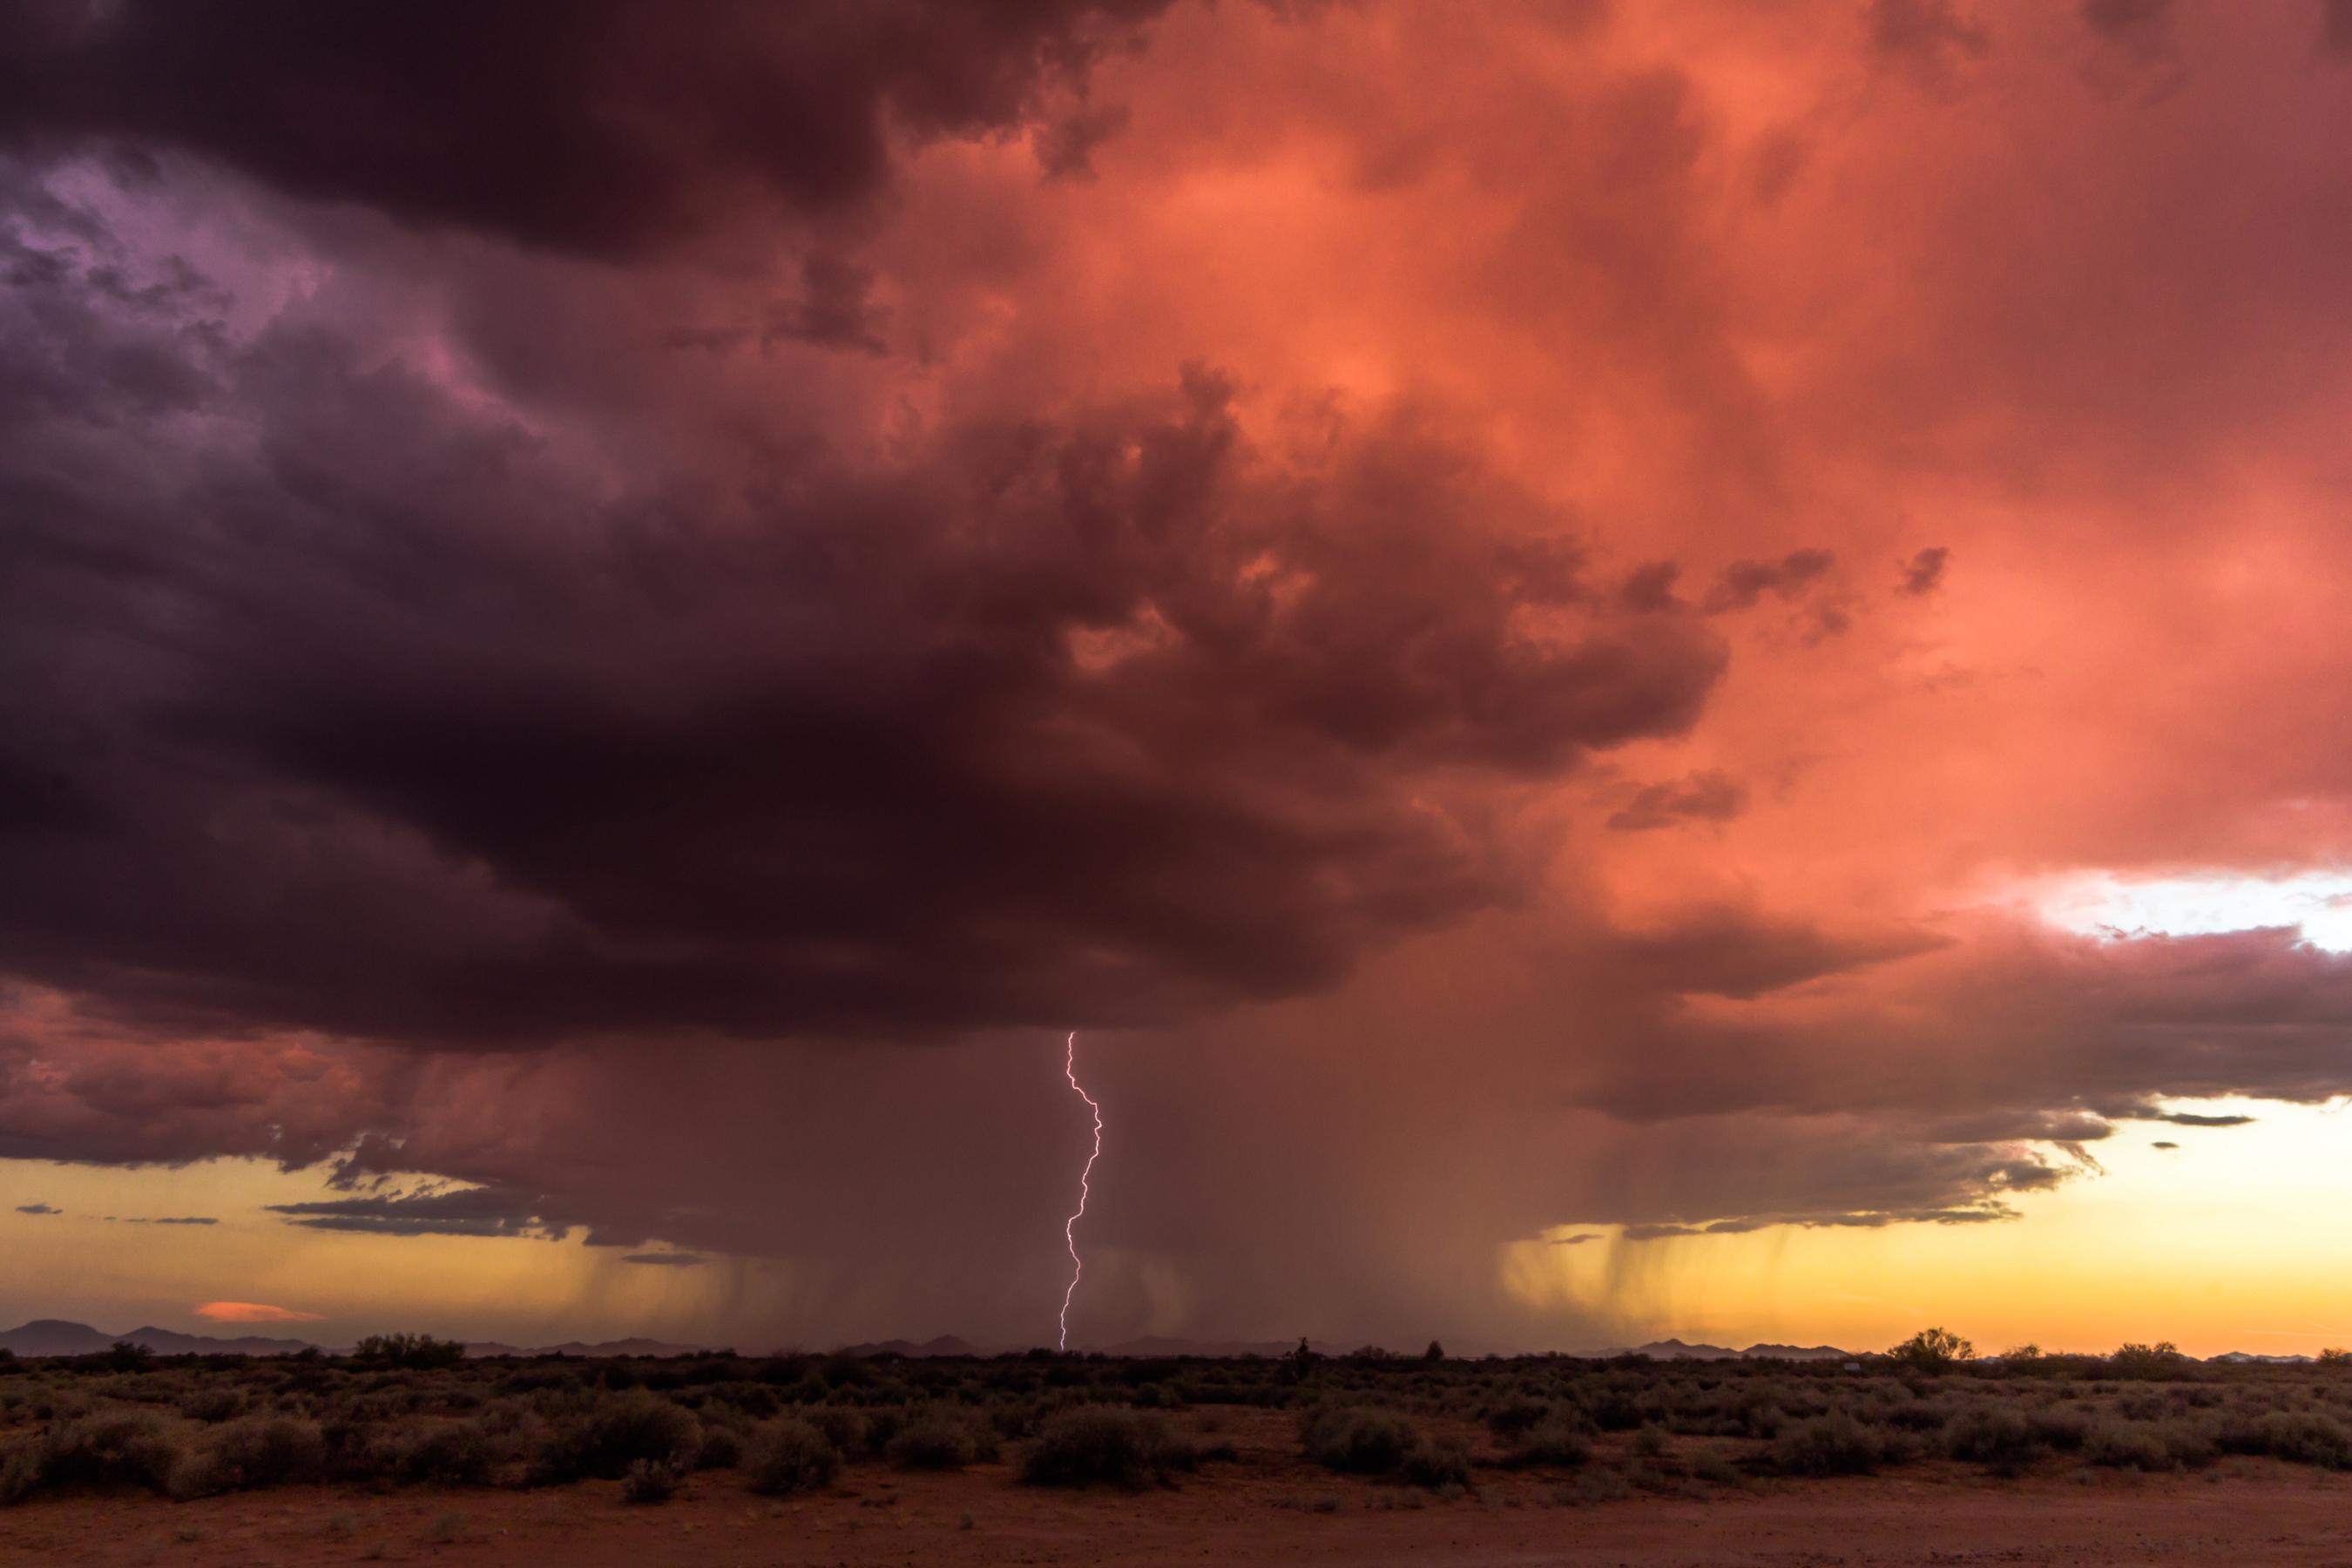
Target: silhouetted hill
<point x="50" y="1336"/>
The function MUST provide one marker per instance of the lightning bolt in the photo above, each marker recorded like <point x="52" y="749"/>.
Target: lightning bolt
<point x="1070" y="1226"/>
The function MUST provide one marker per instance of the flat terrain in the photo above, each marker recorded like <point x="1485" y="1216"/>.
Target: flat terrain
<point x="1266" y="1506"/>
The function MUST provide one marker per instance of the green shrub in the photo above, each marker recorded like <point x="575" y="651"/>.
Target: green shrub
<point x="790" y="1454"/>
<point x="2146" y="1444"/>
<point x="1557" y="1439"/>
<point x="1105" y="1443"/>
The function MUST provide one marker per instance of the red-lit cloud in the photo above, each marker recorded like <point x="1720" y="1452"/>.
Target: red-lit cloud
<point x="252" y="1312"/>
<point x="1501" y="598"/>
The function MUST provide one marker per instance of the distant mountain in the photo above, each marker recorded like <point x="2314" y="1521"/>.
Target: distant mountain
<point x="49" y="1336"/>
<point x="163" y="1341"/>
<point x="1799" y="1352"/>
<point x="580" y="1348"/>
<point x="2237" y="1358"/>
<point x="1675" y="1349"/>
<point x="946" y="1344"/>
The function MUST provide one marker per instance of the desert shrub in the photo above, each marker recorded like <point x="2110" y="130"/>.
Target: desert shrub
<point x="2061" y="1429"/>
<point x="245" y="1456"/>
<point x="1105" y="1443"/>
<point x="1994" y="1436"/>
<point x="1932" y="1350"/>
<point x="646" y="1481"/>
<point x="114" y="1448"/>
<point x="1359" y="1439"/>
<point x="453" y="1453"/>
<point x="881" y="1426"/>
<point x="21" y="1467"/>
<point x="213" y="1404"/>
<point x="1516" y="1414"/>
<point x="721" y="1449"/>
<point x="1555" y="1440"/>
<point x="1651" y="1441"/>
<point x="842" y="1427"/>
<point x="2305" y="1436"/>
<point x="604" y="1440"/>
<point x="1600" y="1486"/>
<point x="420" y="1352"/>
<point x="2160" y="1359"/>
<point x="1437" y="1462"/>
<point x="790" y="1454"/>
<point x="1832" y="1445"/>
<point x="2146" y="1444"/>
<point x="941" y="1439"/>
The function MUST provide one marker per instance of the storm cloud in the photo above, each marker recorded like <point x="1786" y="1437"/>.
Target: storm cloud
<point x="612" y="623"/>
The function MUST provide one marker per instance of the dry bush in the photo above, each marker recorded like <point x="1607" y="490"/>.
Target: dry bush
<point x="1556" y="1439"/>
<point x="212" y="1404"/>
<point x="261" y="1451"/>
<point x="1832" y="1445"/>
<point x="605" y="1439"/>
<point x="114" y="1448"/>
<point x="789" y="1456"/>
<point x="2304" y="1436"/>
<point x="942" y="1439"/>
<point x="1105" y="1443"/>
<point x="1437" y="1462"/>
<point x="454" y="1453"/>
<point x="1362" y="1440"/>
<point x="648" y="1481"/>
<point x="1997" y="1436"/>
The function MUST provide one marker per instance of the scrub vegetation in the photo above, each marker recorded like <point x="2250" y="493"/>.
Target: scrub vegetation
<point x="410" y="1413"/>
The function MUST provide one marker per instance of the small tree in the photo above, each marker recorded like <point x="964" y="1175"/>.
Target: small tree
<point x="1933" y="1350"/>
<point x="1435" y="1352"/>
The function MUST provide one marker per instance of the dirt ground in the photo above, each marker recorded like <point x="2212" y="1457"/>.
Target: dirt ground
<point x="1266" y="1507"/>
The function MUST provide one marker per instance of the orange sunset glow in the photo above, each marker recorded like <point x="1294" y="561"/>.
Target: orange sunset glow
<point x="1636" y="669"/>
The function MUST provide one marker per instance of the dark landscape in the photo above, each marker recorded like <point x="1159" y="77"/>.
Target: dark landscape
<point x="408" y="1448"/>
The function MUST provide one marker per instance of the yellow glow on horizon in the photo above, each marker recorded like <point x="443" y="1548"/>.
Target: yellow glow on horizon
<point x="128" y="1271"/>
<point x="2241" y="1240"/>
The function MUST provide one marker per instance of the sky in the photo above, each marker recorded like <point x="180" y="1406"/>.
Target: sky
<point x="1634" y="668"/>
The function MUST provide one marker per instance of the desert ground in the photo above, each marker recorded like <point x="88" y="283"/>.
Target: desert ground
<point x="1268" y="1504"/>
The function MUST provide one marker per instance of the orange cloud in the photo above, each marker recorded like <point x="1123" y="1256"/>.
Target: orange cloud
<point x="252" y="1312"/>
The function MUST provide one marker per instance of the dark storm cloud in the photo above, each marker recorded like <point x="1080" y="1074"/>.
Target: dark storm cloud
<point x="1705" y="796"/>
<point x="1925" y="36"/>
<point x="667" y="1259"/>
<point x="381" y="721"/>
<point x="472" y="1211"/>
<point x="1731" y="952"/>
<point x="36" y="1208"/>
<point x="604" y="126"/>
<point x="1744" y="582"/>
<point x="1924" y="572"/>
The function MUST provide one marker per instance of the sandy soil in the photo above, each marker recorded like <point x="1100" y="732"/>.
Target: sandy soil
<point x="1266" y="1508"/>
